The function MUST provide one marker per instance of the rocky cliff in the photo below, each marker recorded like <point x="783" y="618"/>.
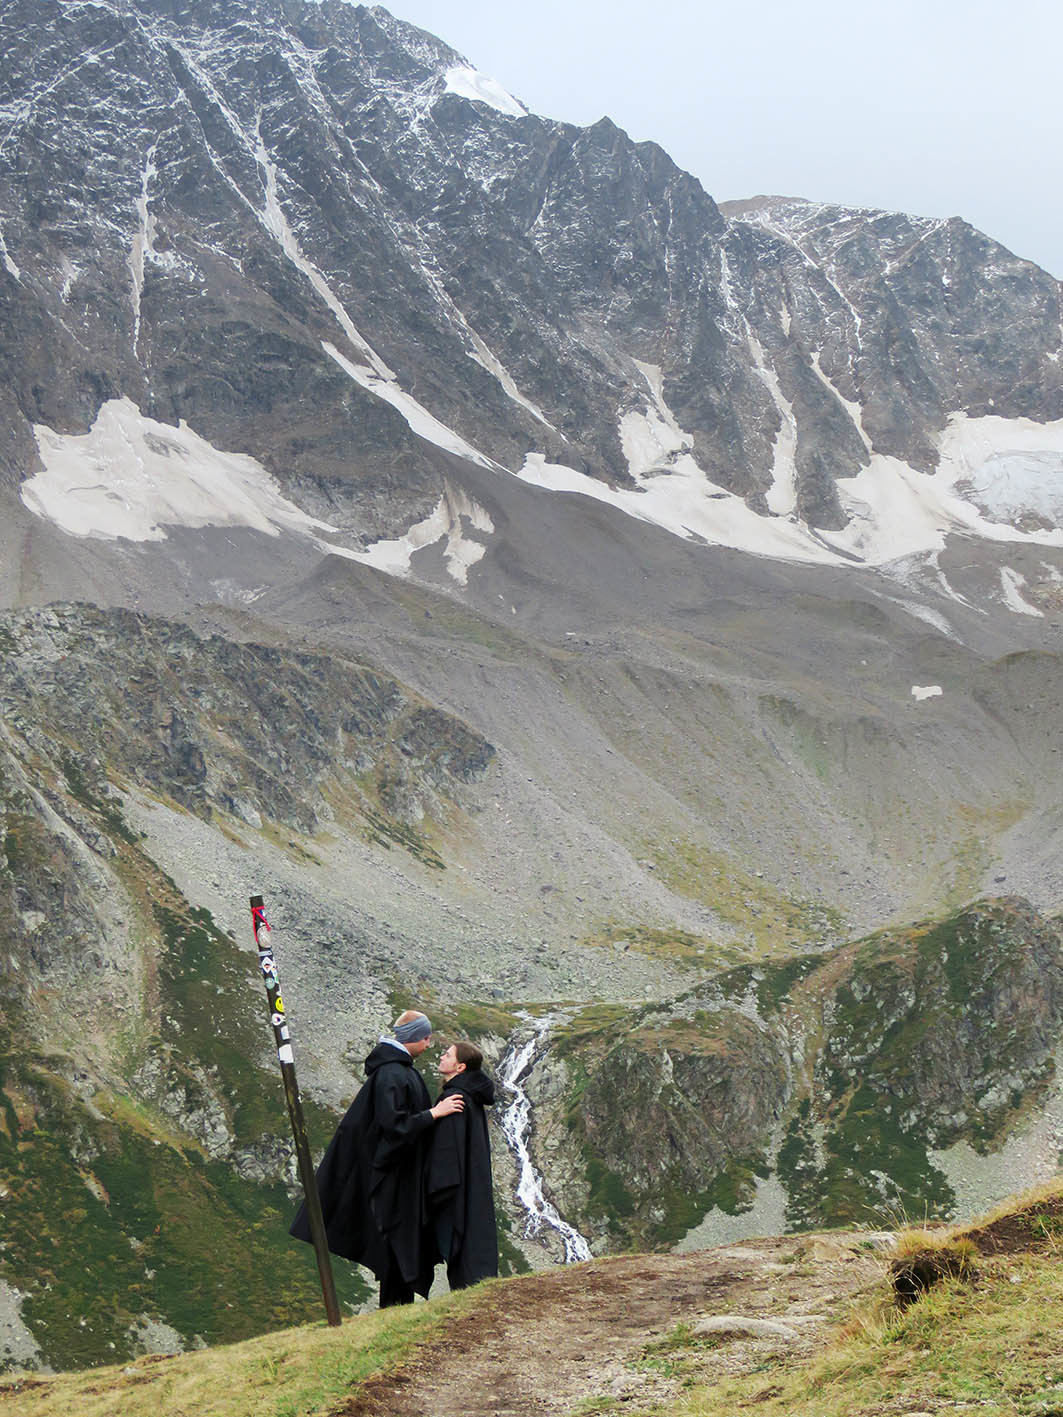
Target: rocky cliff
<point x="835" y="1087"/>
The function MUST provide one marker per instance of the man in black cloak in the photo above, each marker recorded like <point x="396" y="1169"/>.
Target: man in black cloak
<point x="460" y="1200"/>
<point x="371" y="1179"/>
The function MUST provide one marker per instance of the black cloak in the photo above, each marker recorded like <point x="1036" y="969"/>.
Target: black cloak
<point x="460" y="1200"/>
<point x="371" y="1178"/>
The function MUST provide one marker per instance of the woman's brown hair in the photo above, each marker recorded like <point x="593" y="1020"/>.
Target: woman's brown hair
<point x="469" y="1054"/>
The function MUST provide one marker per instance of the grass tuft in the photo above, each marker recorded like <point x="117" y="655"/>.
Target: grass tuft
<point x="925" y="1257"/>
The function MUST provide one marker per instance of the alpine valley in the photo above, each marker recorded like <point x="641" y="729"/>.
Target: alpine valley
<point x="592" y="614"/>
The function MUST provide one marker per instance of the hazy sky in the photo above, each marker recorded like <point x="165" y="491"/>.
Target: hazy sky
<point x="935" y="107"/>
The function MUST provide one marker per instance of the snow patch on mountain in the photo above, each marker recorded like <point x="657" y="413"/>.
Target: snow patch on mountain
<point x="852" y="408"/>
<point x="918" y="610"/>
<point x="894" y="511"/>
<point x="461" y="551"/>
<point x="651" y="440"/>
<point x="130" y="476"/>
<point x="423" y="423"/>
<point x="1010" y="486"/>
<point x="684" y="501"/>
<point x="781" y="496"/>
<point x="479" y="351"/>
<point x="469" y="83"/>
<point x="144" y="241"/>
<point x="1012" y="583"/>
<point x="1009" y="468"/>
<point x="5" y="257"/>
<point x="277" y="224"/>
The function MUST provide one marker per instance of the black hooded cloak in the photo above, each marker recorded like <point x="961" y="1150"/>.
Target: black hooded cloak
<point x="371" y="1178"/>
<point x="460" y="1200"/>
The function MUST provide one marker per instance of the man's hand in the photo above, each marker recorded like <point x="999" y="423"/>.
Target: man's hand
<point x="454" y="1103"/>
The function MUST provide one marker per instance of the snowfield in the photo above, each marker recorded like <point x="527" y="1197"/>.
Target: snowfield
<point x="463" y="79"/>
<point x="130" y="476"/>
<point x="998" y="479"/>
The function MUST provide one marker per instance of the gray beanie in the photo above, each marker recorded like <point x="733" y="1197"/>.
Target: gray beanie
<point x="412" y="1032"/>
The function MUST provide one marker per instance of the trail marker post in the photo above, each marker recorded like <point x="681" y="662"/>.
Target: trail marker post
<point x="282" y="1036"/>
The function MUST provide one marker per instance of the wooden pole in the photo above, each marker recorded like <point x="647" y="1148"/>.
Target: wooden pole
<point x="282" y="1036"/>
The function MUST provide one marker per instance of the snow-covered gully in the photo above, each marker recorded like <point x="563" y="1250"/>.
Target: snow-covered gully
<point x="517" y="1062"/>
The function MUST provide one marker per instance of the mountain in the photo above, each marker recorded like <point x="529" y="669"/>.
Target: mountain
<point x="558" y="594"/>
<point x="291" y="227"/>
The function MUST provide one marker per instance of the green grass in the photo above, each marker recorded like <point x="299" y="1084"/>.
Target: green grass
<point x="991" y="1347"/>
<point x="109" y="815"/>
<point x="109" y="1218"/>
<point x="302" y="1372"/>
<point x="387" y="832"/>
<point x="987" y="1343"/>
<point x="772" y="984"/>
<point x="215" y="1022"/>
<point x="113" y="1214"/>
<point x="771" y="923"/>
<point x="912" y="1010"/>
<point x="472" y="1019"/>
<point x="675" y="946"/>
<point x="617" y="1095"/>
<point x="835" y="1183"/>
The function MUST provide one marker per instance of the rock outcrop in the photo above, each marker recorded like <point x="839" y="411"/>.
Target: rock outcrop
<point x="840" y="1075"/>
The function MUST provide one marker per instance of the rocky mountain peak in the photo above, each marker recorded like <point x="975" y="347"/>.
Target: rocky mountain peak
<point x="322" y="239"/>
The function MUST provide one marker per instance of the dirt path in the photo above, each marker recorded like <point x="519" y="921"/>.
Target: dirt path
<point x="543" y="1345"/>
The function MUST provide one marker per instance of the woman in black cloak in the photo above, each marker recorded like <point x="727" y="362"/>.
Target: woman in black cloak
<point x="458" y="1189"/>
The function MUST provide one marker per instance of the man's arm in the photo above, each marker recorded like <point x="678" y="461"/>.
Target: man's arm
<point x="399" y="1125"/>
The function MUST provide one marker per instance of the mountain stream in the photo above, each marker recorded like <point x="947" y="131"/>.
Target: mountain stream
<point x="514" y="1068"/>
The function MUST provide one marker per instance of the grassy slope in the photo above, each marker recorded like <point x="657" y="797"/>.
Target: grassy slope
<point x="991" y="1344"/>
<point x="113" y="1216"/>
<point x="992" y="1347"/>
<point x="901" y="1032"/>
<point x="110" y="1218"/>
<point x="295" y="1373"/>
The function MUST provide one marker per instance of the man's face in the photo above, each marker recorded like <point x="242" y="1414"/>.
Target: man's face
<point x="416" y="1049"/>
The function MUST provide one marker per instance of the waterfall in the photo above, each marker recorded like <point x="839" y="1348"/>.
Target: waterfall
<point x="516" y="1127"/>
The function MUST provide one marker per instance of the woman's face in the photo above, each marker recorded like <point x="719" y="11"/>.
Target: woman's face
<point x="448" y="1063"/>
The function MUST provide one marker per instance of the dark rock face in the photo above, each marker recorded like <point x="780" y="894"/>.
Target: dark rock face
<point x="958" y="1021"/>
<point x="213" y="724"/>
<point x="862" y="1062"/>
<point x="923" y="319"/>
<point x="666" y="1112"/>
<point x="195" y="198"/>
